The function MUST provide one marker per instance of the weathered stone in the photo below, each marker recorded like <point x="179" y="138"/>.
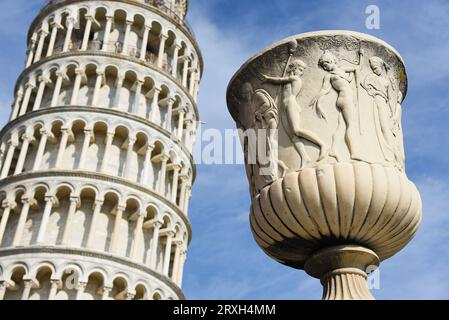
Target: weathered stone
<point x="96" y="161"/>
<point x="333" y="174"/>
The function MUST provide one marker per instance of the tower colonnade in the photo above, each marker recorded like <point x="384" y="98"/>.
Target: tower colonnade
<point x="96" y="166"/>
<point x="141" y="35"/>
<point x="82" y="140"/>
<point x="140" y="228"/>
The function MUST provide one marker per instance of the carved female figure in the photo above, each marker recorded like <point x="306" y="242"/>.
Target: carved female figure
<point x="292" y="85"/>
<point x="260" y="148"/>
<point x="339" y="78"/>
<point x="397" y="133"/>
<point x="379" y="88"/>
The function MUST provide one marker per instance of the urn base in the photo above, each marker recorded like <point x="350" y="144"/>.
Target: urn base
<point x="342" y="271"/>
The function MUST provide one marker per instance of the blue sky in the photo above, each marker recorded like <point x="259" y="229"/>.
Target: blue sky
<point x="224" y="261"/>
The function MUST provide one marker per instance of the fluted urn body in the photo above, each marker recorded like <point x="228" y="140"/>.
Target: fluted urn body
<point x="320" y="120"/>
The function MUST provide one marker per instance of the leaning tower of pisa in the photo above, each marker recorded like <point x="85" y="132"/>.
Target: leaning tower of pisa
<point x="96" y="160"/>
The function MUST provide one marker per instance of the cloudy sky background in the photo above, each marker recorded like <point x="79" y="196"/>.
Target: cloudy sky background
<point x="224" y="261"/>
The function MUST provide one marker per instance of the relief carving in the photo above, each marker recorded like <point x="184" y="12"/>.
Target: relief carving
<point x="333" y="194"/>
<point x="329" y="97"/>
<point x="260" y="149"/>
<point x="340" y="79"/>
<point x="381" y="88"/>
<point x="291" y="88"/>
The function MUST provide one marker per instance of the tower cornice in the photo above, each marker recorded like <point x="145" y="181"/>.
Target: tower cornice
<point x="100" y="177"/>
<point x="118" y="113"/>
<point x="64" y="251"/>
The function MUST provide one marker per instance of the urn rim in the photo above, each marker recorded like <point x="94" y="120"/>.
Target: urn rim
<point x="312" y="34"/>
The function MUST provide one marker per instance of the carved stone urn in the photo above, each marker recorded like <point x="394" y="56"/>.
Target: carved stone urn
<point x="320" y="124"/>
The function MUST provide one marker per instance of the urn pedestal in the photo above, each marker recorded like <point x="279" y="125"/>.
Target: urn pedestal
<point x="320" y="124"/>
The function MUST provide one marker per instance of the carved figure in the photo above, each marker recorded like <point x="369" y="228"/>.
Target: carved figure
<point x="265" y="123"/>
<point x="397" y="133"/>
<point x="292" y="85"/>
<point x="339" y="78"/>
<point x="380" y="89"/>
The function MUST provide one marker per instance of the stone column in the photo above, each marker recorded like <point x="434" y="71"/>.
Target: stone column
<point x="54" y="31"/>
<point x="192" y="81"/>
<point x="3" y="287"/>
<point x="174" y="189"/>
<point x="50" y="201"/>
<point x="154" y="244"/>
<point x="41" y="149"/>
<point x="192" y="140"/>
<point x="55" y="285"/>
<point x="162" y="174"/>
<point x="98" y="84"/>
<point x="91" y="235"/>
<point x="148" y="165"/>
<point x="29" y="87"/>
<point x="68" y="36"/>
<point x="129" y="154"/>
<point x="17" y="104"/>
<point x="196" y="87"/>
<point x="27" y="285"/>
<point x="43" y="82"/>
<point x="139" y="84"/>
<point x="154" y="104"/>
<point x="107" y="150"/>
<point x="57" y="90"/>
<point x="181" y="267"/>
<point x="26" y="140"/>
<point x="182" y="112"/>
<point x="80" y="290"/>
<point x="40" y="46"/>
<point x="74" y="203"/>
<point x="185" y="71"/>
<point x="7" y="206"/>
<point x="143" y="50"/>
<point x="107" y="32"/>
<point x="126" y="38"/>
<point x="118" y="91"/>
<point x="168" y="121"/>
<point x="138" y="231"/>
<point x="188" y="134"/>
<point x="2" y="154"/>
<point x="76" y="86"/>
<point x="62" y="147"/>
<point x="88" y="134"/>
<point x="105" y="293"/>
<point x="160" y="58"/>
<point x="89" y="20"/>
<point x="117" y="228"/>
<point x="13" y="144"/>
<point x="167" y="254"/>
<point x="27" y="202"/>
<point x="182" y="191"/>
<point x="176" y="260"/>
<point x="188" y="192"/>
<point x="31" y="51"/>
<point x="175" y="59"/>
